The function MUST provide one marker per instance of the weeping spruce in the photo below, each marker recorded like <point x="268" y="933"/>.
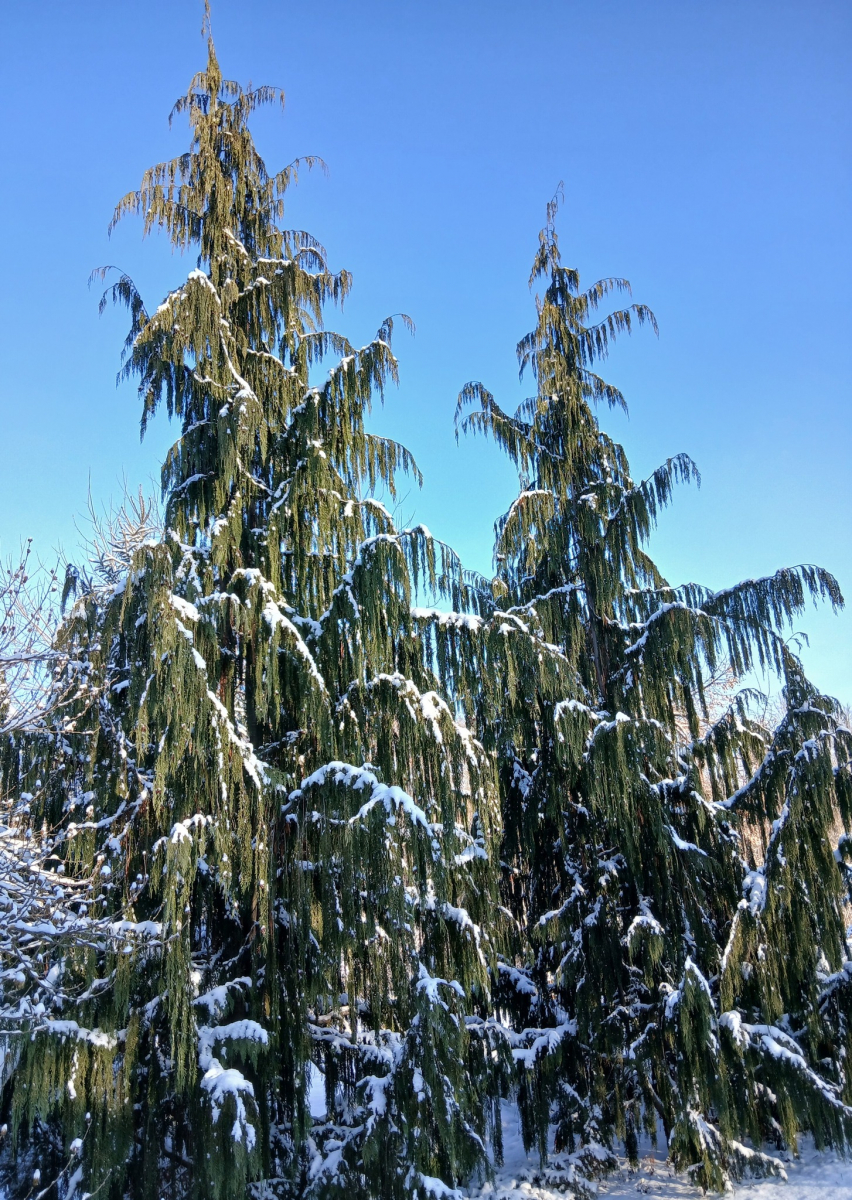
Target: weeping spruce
<point x="291" y="831"/>
<point x="679" y="956"/>
<point x="367" y="848"/>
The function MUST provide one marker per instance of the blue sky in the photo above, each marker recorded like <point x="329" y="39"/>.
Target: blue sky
<point x="705" y="150"/>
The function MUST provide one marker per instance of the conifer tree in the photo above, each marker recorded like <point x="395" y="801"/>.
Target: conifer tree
<point x="262" y="772"/>
<point x="679" y="952"/>
<point x="314" y="830"/>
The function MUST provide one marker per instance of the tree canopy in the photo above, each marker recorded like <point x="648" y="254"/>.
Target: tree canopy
<point x="341" y="847"/>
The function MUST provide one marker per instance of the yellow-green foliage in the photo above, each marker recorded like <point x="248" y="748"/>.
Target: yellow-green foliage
<point x="291" y="826"/>
<point x="325" y="802"/>
<point x="659" y="969"/>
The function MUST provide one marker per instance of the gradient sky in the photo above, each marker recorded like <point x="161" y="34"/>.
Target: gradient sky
<point x="705" y="151"/>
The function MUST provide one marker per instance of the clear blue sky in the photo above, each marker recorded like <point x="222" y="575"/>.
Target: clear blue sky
<point x="705" y="149"/>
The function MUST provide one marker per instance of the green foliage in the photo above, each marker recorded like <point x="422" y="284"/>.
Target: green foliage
<point x="263" y="774"/>
<point x="326" y="808"/>
<point x="680" y="950"/>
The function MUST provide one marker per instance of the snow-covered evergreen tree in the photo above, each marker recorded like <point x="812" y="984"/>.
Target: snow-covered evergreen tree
<point x="680" y="952"/>
<point x="323" y="871"/>
<point x="261" y="770"/>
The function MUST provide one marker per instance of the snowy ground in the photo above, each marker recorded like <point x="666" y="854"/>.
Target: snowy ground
<point x="810" y="1177"/>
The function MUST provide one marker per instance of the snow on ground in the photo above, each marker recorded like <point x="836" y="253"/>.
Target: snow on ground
<point x="811" y="1176"/>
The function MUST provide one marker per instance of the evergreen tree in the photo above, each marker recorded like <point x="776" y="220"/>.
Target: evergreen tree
<point x="679" y="946"/>
<point x="261" y="771"/>
<point x="310" y="830"/>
